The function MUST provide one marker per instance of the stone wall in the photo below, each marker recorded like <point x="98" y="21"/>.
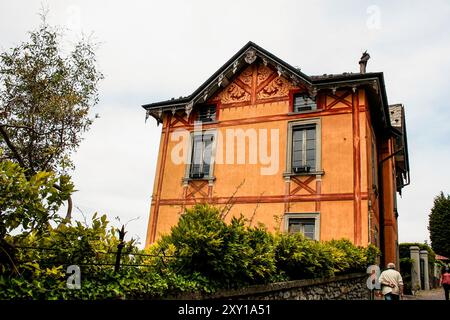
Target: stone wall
<point x="343" y="287"/>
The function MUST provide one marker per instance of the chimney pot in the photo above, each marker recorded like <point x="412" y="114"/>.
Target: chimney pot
<point x="363" y="62"/>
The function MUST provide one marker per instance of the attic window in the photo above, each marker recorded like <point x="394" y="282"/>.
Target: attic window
<point x="303" y="102"/>
<point x="207" y="113"/>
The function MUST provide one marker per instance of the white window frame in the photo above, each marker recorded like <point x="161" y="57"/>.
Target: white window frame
<point x="300" y="123"/>
<point x="188" y="159"/>
<point x="307" y="216"/>
<point x="303" y="111"/>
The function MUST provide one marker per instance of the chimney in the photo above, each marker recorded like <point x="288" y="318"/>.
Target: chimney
<point x="363" y="62"/>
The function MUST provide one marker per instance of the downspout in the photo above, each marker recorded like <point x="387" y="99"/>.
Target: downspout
<point x="381" y="197"/>
<point x="381" y="212"/>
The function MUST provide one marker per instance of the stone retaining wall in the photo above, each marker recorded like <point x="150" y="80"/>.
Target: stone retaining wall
<point x="343" y="287"/>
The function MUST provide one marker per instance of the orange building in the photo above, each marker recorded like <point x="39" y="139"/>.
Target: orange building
<point x="322" y="155"/>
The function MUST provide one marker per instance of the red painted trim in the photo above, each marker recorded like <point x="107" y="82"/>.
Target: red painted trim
<point x="269" y="199"/>
<point x="210" y="191"/>
<point x="356" y="168"/>
<point x="272" y="100"/>
<point x="218" y="109"/>
<point x="279" y="117"/>
<point x="292" y="92"/>
<point x="254" y="82"/>
<point x="303" y="185"/>
<point x="197" y="187"/>
<point x="185" y="190"/>
<point x="318" y="192"/>
<point x="236" y="104"/>
<point x="338" y="99"/>
<point x="267" y="81"/>
<point x="287" y="187"/>
<point x="243" y="85"/>
<point x="179" y="118"/>
<point x="160" y="180"/>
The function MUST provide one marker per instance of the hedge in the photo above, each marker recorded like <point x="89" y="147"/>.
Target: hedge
<point x="201" y="254"/>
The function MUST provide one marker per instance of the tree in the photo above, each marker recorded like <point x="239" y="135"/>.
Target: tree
<point x="27" y="204"/>
<point x="439" y="225"/>
<point x="45" y="98"/>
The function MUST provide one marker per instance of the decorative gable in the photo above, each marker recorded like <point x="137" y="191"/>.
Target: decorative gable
<point x="257" y="83"/>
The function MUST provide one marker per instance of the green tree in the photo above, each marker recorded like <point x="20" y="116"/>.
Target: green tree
<point x="439" y="223"/>
<point x="28" y="204"/>
<point x="45" y="98"/>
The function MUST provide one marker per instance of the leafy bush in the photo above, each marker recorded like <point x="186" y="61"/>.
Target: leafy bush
<point x="354" y="259"/>
<point x="202" y="254"/>
<point x="300" y="258"/>
<point x="229" y="255"/>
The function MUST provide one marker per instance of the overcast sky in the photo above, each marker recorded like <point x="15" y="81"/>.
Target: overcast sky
<point x="154" y="50"/>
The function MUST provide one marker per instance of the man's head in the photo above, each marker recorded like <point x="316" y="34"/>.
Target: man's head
<point x="391" y="265"/>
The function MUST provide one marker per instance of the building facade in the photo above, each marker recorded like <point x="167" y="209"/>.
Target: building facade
<point x="322" y="155"/>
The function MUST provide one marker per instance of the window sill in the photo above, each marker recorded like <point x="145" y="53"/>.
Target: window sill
<point x="302" y="112"/>
<point x="197" y="123"/>
<point x="311" y="173"/>
<point x="187" y="179"/>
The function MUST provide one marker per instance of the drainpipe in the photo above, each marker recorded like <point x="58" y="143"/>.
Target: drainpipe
<point x="381" y="213"/>
<point x="381" y="197"/>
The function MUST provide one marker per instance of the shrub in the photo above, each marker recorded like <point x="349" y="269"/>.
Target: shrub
<point x="353" y="258"/>
<point x="228" y="255"/>
<point x="201" y="255"/>
<point x="300" y="258"/>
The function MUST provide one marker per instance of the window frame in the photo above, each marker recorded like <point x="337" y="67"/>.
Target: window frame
<point x="294" y="92"/>
<point x="303" y="94"/>
<point x="304" y="216"/>
<point x="192" y="136"/>
<point x="205" y="105"/>
<point x="289" y="148"/>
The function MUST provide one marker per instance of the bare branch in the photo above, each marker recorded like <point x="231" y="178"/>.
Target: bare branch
<point x="12" y="147"/>
<point x="69" y="207"/>
<point x="256" y="208"/>
<point x="226" y="209"/>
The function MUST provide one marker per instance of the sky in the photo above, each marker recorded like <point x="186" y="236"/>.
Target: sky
<point x="154" y="50"/>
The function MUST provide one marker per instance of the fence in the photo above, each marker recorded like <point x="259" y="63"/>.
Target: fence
<point x="114" y="258"/>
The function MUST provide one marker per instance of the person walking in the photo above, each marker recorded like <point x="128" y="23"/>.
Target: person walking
<point x="391" y="283"/>
<point x="445" y="281"/>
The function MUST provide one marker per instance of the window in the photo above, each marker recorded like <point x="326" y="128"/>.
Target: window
<point x="306" y="223"/>
<point x="303" y="147"/>
<point x="201" y="156"/>
<point x="303" y="102"/>
<point x="207" y="113"/>
<point x="305" y="226"/>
